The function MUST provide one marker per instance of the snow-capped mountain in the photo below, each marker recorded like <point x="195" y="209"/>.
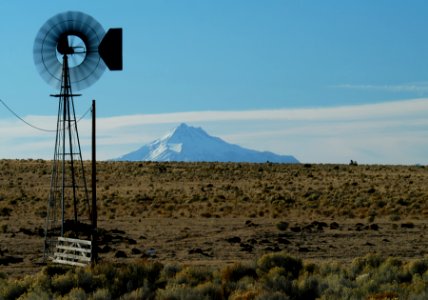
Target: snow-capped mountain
<point x="186" y="143"/>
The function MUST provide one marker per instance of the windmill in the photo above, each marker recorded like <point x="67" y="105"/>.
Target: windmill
<point x="71" y="51"/>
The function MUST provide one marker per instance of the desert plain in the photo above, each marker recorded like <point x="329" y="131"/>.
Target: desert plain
<point x="223" y="213"/>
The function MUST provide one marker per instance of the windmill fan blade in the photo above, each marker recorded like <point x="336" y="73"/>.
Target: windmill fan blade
<point x="76" y="35"/>
<point x="87" y="71"/>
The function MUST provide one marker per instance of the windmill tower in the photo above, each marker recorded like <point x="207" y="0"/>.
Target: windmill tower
<point x="71" y="51"/>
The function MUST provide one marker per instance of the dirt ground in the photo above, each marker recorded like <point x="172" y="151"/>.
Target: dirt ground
<point x="214" y="218"/>
<point x="219" y="241"/>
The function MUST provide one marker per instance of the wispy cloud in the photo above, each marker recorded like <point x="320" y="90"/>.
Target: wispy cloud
<point x="341" y="113"/>
<point x="390" y="132"/>
<point x="418" y="88"/>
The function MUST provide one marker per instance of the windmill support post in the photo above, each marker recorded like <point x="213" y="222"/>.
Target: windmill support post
<point x="94" y="216"/>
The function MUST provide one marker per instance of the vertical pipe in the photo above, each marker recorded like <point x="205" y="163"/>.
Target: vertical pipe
<point x="94" y="187"/>
<point x="64" y="117"/>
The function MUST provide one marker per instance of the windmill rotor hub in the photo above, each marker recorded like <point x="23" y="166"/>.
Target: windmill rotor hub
<point x="72" y="46"/>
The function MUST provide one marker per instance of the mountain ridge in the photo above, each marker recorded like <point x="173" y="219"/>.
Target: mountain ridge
<point x="193" y="144"/>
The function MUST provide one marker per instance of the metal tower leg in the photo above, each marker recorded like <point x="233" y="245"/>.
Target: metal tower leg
<point x="68" y="196"/>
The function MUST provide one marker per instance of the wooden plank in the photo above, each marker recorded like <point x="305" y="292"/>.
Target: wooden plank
<point x="67" y="248"/>
<point x="73" y="253"/>
<point x="72" y="256"/>
<point x="69" y="240"/>
<point x="66" y="262"/>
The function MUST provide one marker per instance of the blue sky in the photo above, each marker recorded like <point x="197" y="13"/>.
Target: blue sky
<point x="325" y="81"/>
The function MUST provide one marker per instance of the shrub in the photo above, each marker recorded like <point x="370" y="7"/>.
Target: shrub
<point x="76" y="294"/>
<point x="36" y="294"/>
<point x="169" y="271"/>
<point x="54" y="269"/>
<point x="364" y="264"/>
<point x="39" y="283"/>
<point x="237" y="277"/>
<point x="102" y="294"/>
<point x="273" y="276"/>
<point x="237" y="271"/>
<point x="245" y="295"/>
<point x="62" y="284"/>
<point x="137" y="294"/>
<point x="133" y="276"/>
<point x="308" y="288"/>
<point x="336" y="286"/>
<point x="210" y="290"/>
<point x="244" y="284"/>
<point x="395" y="217"/>
<point x="418" y="266"/>
<point x="282" y="226"/>
<point x="272" y="296"/>
<point x="107" y="270"/>
<point x="290" y="266"/>
<point x="383" y="295"/>
<point x="85" y="279"/>
<point x="176" y="292"/>
<point x="193" y="276"/>
<point x="276" y="281"/>
<point x="13" y="290"/>
<point x="389" y="271"/>
<point x="5" y="211"/>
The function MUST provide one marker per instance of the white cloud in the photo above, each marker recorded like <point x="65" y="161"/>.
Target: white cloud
<point x="391" y="132"/>
<point x="366" y="111"/>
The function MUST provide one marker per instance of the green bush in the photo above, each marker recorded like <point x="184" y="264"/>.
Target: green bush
<point x="308" y="288"/>
<point x="268" y="295"/>
<point x="210" y="290"/>
<point x="365" y="264"/>
<point x="76" y="294"/>
<point x="169" y="271"/>
<point x="12" y="290"/>
<point x="418" y="266"/>
<point x="235" y="272"/>
<point x="272" y="276"/>
<point x="178" y="293"/>
<point x="290" y="267"/>
<point x="193" y="276"/>
<point x="36" y="294"/>
<point x="133" y="276"/>
<point x="101" y="294"/>
<point x="275" y="281"/>
<point x="54" y="269"/>
<point x="62" y="284"/>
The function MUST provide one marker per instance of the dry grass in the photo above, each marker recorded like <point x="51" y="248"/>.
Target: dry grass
<point x="220" y="213"/>
<point x="231" y="189"/>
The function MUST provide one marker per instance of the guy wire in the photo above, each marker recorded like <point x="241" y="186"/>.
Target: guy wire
<point x="33" y="126"/>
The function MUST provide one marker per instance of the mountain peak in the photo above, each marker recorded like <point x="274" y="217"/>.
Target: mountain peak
<point x="185" y="132"/>
<point x="182" y="128"/>
<point x="187" y="143"/>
